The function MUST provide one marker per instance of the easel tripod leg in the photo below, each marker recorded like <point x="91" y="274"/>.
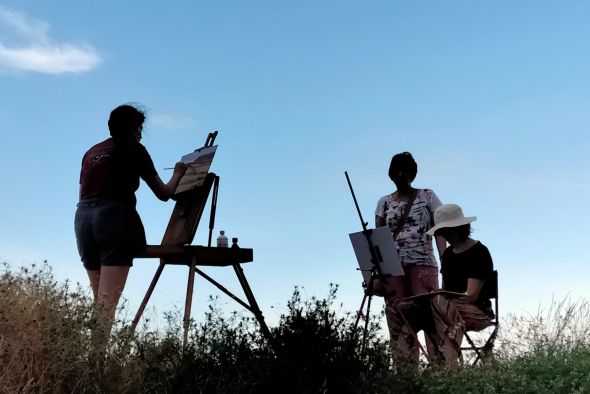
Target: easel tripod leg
<point x="253" y="304"/>
<point x="147" y="296"/>
<point x="189" y="299"/>
<point x="359" y="313"/>
<point x="367" y="318"/>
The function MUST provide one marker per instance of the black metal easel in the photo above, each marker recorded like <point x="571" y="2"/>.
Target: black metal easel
<point x="375" y="269"/>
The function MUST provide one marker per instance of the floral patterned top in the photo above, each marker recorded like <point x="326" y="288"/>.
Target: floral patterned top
<point x="413" y="244"/>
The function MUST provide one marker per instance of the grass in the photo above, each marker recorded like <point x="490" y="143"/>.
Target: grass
<point x="46" y="347"/>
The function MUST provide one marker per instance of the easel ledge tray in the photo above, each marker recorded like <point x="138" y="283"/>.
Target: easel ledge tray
<point x="202" y="255"/>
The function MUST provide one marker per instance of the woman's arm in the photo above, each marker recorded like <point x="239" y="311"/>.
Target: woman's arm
<point x="474" y="286"/>
<point x="379" y="221"/>
<point x="441" y="245"/>
<point x="165" y="190"/>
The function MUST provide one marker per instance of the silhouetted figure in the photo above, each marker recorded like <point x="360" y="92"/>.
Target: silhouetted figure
<point x="466" y="267"/>
<point x="109" y="232"/>
<point x="409" y="213"/>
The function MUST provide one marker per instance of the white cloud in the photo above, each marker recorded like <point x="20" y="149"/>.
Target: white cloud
<point x="50" y="59"/>
<point x="31" y="28"/>
<point x="25" y="44"/>
<point x="171" y="122"/>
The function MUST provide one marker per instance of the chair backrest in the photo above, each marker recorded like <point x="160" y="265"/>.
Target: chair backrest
<point x="492" y="285"/>
<point x="187" y="214"/>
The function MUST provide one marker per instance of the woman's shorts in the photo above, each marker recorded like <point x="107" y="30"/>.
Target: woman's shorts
<point x="108" y="233"/>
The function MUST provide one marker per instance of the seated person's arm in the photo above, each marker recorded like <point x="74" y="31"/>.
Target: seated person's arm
<point x="474" y="286"/>
<point x="165" y="190"/>
<point x="379" y="221"/>
<point x="441" y="245"/>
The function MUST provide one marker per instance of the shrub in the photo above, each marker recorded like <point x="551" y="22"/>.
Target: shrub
<point x="44" y="333"/>
<point x="313" y="350"/>
<point x="46" y="347"/>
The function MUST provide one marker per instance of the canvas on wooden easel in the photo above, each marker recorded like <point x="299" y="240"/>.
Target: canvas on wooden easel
<point x="198" y="164"/>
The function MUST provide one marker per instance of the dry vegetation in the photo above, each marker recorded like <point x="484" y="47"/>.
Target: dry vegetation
<point x="46" y="347"/>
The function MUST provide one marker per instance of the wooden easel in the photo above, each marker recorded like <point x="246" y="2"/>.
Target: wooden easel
<point x="176" y="249"/>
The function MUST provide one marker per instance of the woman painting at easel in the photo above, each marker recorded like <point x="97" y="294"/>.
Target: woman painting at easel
<point x="109" y="232"/>
<point x="409" y="213"/>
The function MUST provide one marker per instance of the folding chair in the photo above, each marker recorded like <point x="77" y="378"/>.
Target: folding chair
<point x="484" y="351"/>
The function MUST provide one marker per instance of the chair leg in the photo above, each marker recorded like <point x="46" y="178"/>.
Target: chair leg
<point x="461" y="358"/>
<point x="490" y="342"/>
<point x="489" y="345"/>
<point x="484" y="352"/>
<point x="474" y="348"/>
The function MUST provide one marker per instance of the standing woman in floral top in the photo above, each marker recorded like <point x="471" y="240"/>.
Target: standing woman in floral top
<point x="411" y="241"/>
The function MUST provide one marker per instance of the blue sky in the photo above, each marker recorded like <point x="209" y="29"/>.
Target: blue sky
<point x="491" y="98"/>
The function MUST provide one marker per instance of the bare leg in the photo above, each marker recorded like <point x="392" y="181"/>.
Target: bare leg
<point x="94" y="277"/>
<point x="112" y="283"/>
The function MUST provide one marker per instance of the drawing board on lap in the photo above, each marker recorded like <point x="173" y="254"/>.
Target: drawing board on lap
<point x="427" y="296"/>
<point x="385" y="252"/>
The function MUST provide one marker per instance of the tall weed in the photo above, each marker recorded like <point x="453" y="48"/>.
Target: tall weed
<point x="46" y="347"/>
<point x="44" y="333"/>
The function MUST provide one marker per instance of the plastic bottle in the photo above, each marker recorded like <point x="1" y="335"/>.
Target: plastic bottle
<point x="234" y="243"/>
<point x="222" y="240"/>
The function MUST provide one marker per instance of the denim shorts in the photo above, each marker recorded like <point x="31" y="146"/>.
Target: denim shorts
<point x="108" y="233"/>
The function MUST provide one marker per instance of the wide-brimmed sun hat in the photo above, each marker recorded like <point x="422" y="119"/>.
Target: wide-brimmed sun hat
<point x="449" y="215"/>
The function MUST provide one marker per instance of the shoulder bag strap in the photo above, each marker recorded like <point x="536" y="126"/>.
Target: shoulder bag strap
<point x="405" y="213"/>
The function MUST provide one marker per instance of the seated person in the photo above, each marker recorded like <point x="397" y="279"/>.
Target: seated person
<point x="465" y="267"/>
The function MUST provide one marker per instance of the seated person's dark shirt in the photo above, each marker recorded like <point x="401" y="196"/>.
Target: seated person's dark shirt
<point x="111" y="170"/>
<point x="475" y="262"/>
